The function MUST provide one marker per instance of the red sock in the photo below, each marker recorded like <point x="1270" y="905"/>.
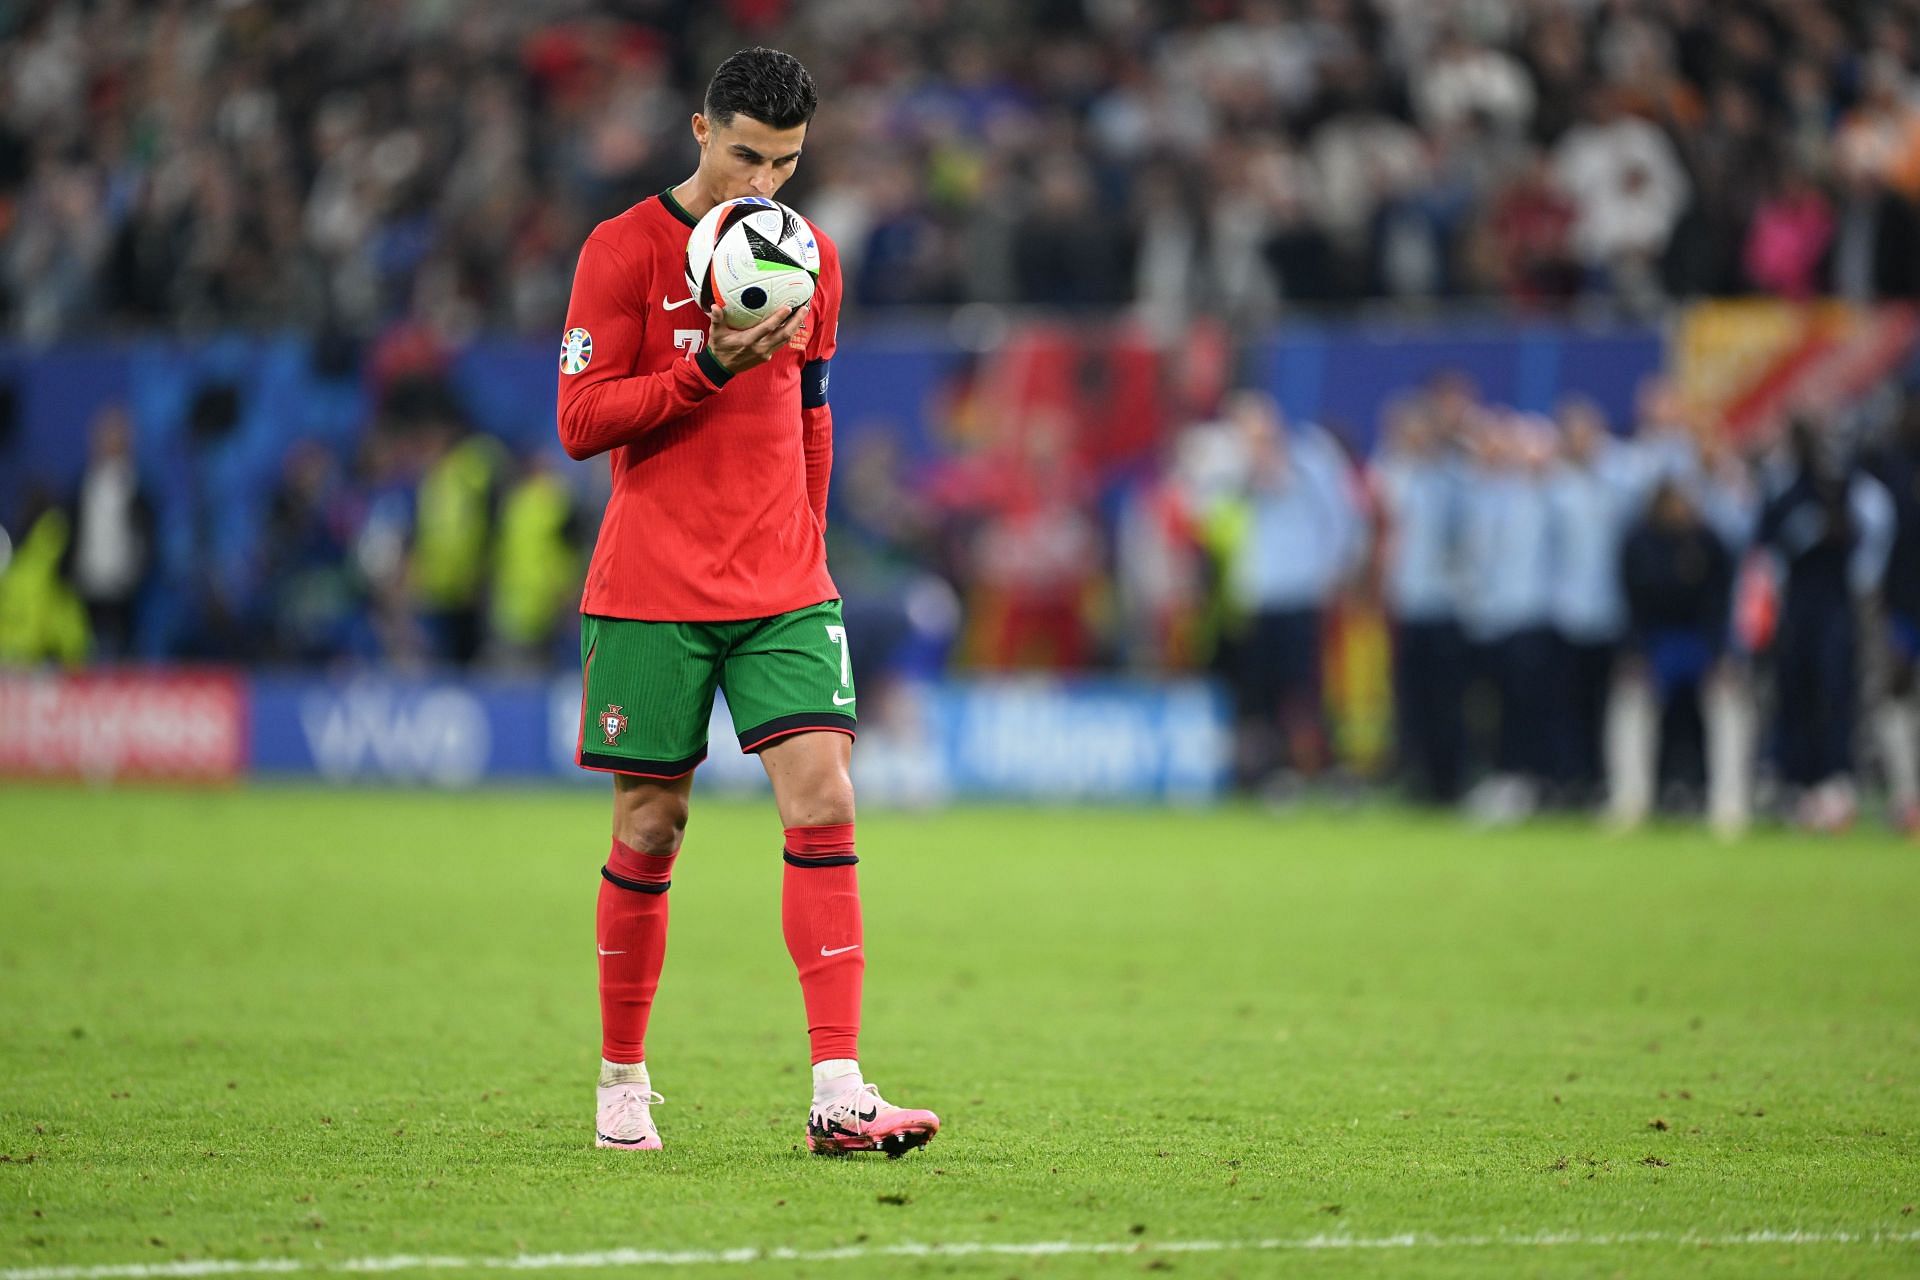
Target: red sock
<point x="820" y="915"/>
<point x="632" y="927"/>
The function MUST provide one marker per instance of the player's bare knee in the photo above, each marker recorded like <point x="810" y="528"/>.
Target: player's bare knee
<point x="655" y="827"/>
<point x="826" y="802"/>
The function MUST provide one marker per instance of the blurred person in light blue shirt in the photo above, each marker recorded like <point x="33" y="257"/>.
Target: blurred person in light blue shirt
<point x="1419" y="485"/>
<point x="1667" y="445"/>
<point x="1301" y="536"/>
<point x="1663" y="442"/>
<point x="1507" y="607"/>
<point x="1594" y="496"/>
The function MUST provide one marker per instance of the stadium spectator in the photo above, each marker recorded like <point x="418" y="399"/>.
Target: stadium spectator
<point x="1677" y="579"/>
<point x="1896" y="465"/>
<point x="1067" y="252"/>
<point x="453" y="536"/>
<point x="1733" y="160"/>
<point x="1788" y="239"/>
<point x="112" y="536"/>
<point x="1423" y="501"/>
<point x="1300" y="537"/>
<point x="1160" y="577"/>
<point x="1593" y="499"/>
<point x="1630" y="188"/>
<point x="1507" y="609"/>
<point x="1874" y="235"/>
<point x="1525" y="243"/>
<point x="1881" y="135"/>
<point x="41" y="620"/>
<point x="1458" y="81"/>
<point x="1831" y="527"/>
<point x="314" y="595"/>
<point x="536" y="567"/>
<point x="1035" y="562"/>
<point x="883" y="542"/>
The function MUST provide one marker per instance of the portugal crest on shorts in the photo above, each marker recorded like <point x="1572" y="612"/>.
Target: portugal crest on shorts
<point x="612" y="724"/>
<point x="576" y="350"/>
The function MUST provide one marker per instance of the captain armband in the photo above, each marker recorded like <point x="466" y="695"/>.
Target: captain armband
<point x="813" y="383"/>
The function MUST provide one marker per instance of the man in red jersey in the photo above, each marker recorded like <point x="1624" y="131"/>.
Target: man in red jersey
<point x="711" y="572"/>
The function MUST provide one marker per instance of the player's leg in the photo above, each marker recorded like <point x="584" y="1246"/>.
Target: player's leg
<point x="1632" y="738"/>
<point x="820" y="891"/>
<point x="1836" y="675"/>
<point x="1727" y="706"/>
<point x="789" y="686"/>
<point x="820" y="916"/>
<point x="1898" y="723"/>
<point x="648" y="695"/>
<point x="630" y="935"/>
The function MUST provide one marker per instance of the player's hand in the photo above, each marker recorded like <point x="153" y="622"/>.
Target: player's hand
<point x="738" y="350"/>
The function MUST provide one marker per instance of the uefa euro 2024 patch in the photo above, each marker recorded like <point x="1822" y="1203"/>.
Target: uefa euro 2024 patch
<point x="576" y="351"/>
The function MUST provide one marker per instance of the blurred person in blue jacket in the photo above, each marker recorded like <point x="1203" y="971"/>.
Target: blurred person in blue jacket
<point x="314" y="593"/>
<point x="1676" y="575"/>
<point x="1593" y="497"/>
<point x="1301" y="536"/>
<point x="1896" y="465"/>
<point x="1419" y="484"/>
<point x="1831" y="527"/>
<point x="883" y="536"/>
<point x="1507" y="608"/>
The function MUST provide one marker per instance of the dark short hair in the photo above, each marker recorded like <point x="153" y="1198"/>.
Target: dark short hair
<point x="766" y="84"/>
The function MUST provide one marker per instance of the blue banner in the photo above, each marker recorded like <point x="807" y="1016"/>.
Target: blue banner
<point x="1028" y="739"/>
<point x="382" y="729"/>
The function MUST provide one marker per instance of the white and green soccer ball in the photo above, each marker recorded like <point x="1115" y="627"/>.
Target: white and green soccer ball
<point x="753" y="256"/>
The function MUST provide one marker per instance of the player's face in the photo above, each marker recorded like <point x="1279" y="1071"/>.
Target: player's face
<point x="745" y="157"/>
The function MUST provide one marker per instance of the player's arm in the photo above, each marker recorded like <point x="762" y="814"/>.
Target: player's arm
<point x="816" y="418"/>
<point x="602" y="403"/>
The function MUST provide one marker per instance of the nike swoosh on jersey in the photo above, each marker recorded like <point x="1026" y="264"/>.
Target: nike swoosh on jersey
<point x="675" y="306"/>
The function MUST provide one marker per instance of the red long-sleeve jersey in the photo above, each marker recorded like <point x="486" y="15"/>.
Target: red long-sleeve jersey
<point x="719" y="501"/>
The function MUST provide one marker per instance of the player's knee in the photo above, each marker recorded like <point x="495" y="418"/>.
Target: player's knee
<point x="827" y="803"/>
<point x="656" y="828"/>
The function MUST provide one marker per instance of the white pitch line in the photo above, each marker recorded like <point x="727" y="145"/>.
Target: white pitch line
<point x="855" y="1253"/>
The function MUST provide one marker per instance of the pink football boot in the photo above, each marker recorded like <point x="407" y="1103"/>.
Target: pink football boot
<point x="625" y="1118"/>
<point x="861" y="1120"/>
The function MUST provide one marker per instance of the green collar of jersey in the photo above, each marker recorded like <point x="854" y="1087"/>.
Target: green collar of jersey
<point x="677" y="209"/>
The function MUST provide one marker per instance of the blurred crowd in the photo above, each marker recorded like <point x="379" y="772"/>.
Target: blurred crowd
<point x="198" y="164"/>
<point x="1570" y="616"/>
<point x="427" y="544"/>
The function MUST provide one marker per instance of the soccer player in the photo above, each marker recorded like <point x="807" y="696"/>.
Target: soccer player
<point x="710" y="572"/>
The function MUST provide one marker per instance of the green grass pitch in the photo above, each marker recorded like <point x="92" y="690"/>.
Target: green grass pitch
<point x="284" y="1023"/>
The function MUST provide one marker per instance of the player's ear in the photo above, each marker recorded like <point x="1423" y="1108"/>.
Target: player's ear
<point x="701" y="130"/>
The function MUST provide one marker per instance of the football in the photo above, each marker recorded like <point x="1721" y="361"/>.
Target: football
<point x="752" y="256"/>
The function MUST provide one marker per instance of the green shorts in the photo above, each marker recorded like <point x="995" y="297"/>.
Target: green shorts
<point x="647" y="696"/>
